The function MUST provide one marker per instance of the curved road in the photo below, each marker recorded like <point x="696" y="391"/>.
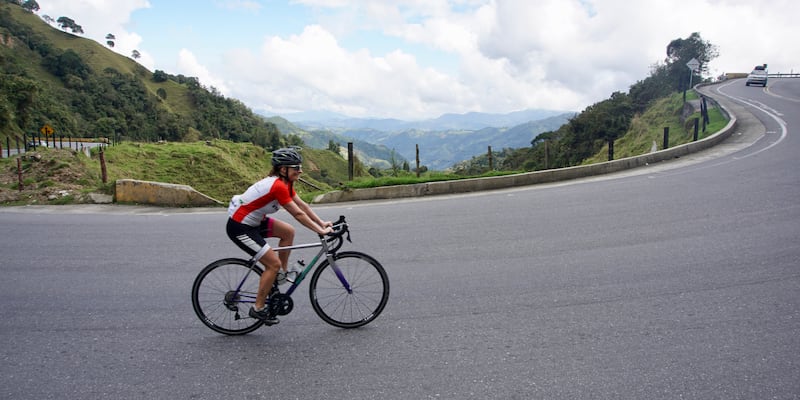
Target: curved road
<point x="678" y="280"/>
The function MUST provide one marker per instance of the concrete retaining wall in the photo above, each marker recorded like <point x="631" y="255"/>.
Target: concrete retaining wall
<point x="161" y="194"/>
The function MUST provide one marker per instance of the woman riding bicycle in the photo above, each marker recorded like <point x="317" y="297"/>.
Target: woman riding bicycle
<point x="249" y="226"/>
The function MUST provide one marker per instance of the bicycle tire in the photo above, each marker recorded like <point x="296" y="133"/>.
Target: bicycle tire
<point x="214" y="301"/>
<point x="368" y="295"/>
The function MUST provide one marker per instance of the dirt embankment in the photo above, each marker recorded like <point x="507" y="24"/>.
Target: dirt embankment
<point x="50" y="176"/>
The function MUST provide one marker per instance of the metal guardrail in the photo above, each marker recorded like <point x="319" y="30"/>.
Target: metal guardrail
<point x="780" y="75"/>
<point x="9" y="148"/>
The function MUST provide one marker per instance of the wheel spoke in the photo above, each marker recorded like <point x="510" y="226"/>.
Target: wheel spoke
<point x="216" y="301"/>
<point x="368" y="295"/>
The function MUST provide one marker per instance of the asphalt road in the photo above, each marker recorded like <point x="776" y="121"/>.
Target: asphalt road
<point x="677" y="280"/>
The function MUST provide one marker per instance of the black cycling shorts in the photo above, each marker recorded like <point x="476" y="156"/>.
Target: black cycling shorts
<point x="250" y="238"/>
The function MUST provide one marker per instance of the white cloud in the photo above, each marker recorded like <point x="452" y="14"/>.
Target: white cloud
<point x="312" y="70"/>
<point x="189" y="66"/>
<point x="449" y="55"/>
<point x="98" y="18"/>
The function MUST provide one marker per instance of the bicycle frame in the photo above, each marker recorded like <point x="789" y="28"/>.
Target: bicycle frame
<point x="324" y="249"/>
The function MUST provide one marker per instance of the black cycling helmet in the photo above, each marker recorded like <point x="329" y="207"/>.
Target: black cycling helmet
<point x="286" y="156"/>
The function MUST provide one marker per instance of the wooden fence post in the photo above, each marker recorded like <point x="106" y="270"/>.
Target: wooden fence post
<point x="417" y="160"/>
<point x="19" y="172"/>
<point x="103" y="165"/>
<point x="350" y="161"/>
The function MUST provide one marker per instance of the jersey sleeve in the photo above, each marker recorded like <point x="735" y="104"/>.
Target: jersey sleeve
<point x="283" y="193"/>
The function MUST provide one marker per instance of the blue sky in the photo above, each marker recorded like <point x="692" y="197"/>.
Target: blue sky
<point x="414" y="59"/>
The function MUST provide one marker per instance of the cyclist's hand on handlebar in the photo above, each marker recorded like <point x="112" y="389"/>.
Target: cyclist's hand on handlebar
<point x="326" y="224"/>
<point x="326" y="230"/>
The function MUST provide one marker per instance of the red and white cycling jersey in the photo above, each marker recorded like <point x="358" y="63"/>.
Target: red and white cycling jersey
<point x="262" y="198"/>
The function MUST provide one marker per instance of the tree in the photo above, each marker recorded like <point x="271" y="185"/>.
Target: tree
<point x="333" y="146"/>
<point x="19" y="98"/>
<point x="6" y="115"/>
<point x="110" y="40"/>
<point x="681" y="51"/>
<point x="106" y="127"/>
<point x="136" y="55"/>
<point x="66" y="22"/>
<point x="394" y="163"/>
<point x="30" y="5"/>
<point x="67" y="63"/>
<point x="160" y="76"/>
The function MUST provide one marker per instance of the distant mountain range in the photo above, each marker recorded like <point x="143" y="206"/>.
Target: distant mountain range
<point x="469" y="121"/>
<point x="443" y="141"/>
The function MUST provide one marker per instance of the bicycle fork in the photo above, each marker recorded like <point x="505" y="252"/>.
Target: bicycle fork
<point x="339" y="273"/>
<point x="330" y="256"/>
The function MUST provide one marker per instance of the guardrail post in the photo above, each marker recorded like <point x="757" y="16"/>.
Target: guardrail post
<point x="546" y="154"/>
<point x="350" y="160"/>
<point x="666" y="138"/>
<point x="610" y="149"/>
<point x="696" y="128"/>
<point x="417" y="147"/>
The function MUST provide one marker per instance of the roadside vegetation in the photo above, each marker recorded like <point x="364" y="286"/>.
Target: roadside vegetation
<point x="171" y="129"/>
<point x="221" y="168"/>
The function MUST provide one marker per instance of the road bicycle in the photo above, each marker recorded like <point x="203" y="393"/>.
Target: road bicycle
<point x="348" y="289"/>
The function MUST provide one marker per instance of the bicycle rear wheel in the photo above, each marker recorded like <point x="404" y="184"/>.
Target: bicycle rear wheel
<point x="223" y="293"/>
<point x="368" y="294"/>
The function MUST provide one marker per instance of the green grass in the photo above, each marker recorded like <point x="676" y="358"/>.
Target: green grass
<point x="222" y="168"/>
<point x="217" y="168"/>
<point x="409" y="178"/>
<point x="648" y="128"/>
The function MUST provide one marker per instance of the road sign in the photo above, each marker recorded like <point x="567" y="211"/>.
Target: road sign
<point x="47" y="130"/>
<point x="693" y="64"/>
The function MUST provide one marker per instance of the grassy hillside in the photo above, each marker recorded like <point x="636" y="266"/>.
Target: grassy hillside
<point x="98" y="57"/>
<point x="217" y="168"/>
<point x="647" y="128"/>
<point x="83" y="89"/>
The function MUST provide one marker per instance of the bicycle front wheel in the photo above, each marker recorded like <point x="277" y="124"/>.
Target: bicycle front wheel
<point x="223" y="293"/>
<point x="360" y="304"/>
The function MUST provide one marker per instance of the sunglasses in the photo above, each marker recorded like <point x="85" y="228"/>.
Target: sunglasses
<point x="295" y="167"/>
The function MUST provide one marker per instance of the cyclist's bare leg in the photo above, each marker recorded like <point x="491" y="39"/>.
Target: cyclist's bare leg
<point x="272" y="263"/>
<point x="285" y="233"/>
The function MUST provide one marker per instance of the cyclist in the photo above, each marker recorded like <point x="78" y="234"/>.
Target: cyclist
<point x="249" y="224"/>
